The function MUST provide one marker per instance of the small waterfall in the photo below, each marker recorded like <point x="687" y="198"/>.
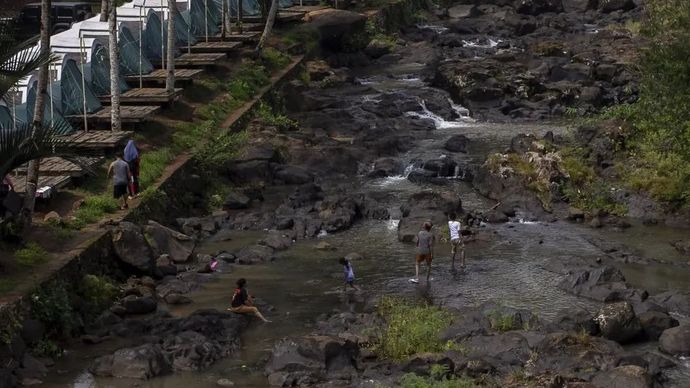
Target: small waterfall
<point x="408" y="170"/>
<point x="456" y="173"/>
<point x="439" y="122"/>
<point x="476" y="43"/>
<point x="432" y="27"/>
<point x="460" y="110"/>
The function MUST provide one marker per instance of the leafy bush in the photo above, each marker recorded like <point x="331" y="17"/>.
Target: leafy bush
<point x="92" y="209"/>
<point x="410" y="328"/>
<point x="98" y="292"/>
<point x="274" y="59"/>
<point x="153" y="164"/>
<point x="31" y="255"/>
<point x="51" y="305"/>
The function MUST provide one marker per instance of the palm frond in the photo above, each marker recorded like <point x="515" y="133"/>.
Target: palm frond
<point x="18" y="59"/>
<point x="24" y="144"/>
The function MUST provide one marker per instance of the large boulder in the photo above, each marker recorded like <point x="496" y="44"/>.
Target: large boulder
<point x="457" y="143"/>
<point x="626" y="376"/>
<point x="277" y="240"/>
<point x="578" y="5"/>
<point x="616" y="5"/>
<point x="676" y="340"/>
<point x="536" y="7"/>
<point x="255" y="254"/>
<point x="134" y="304"/>
<point x="655" y="322"/>
<point x="163" y="240"/>
<point x="191" y="351"/>
<point x="569" y="354"/>
<point x="618" y="322"/>
<point x="605" y="284"/>
<point x="131" y="247"/>
<point x="143" y="362"/>
<point x="236" y="200"/>
<point x="337" y="26"/>
<point x="674" y="301"/>
<point x="292" y="175"/>
<point x="462" y="11"/>
<point x="313" y="353"/>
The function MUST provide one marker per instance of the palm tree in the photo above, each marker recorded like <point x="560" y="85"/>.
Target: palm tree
<point x="170" y="76"/>
<point x="270" y="20"/>
<point x="34" y="165"/>
<point x="114" y="53"/>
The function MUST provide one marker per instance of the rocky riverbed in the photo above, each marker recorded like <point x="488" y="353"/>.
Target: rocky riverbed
<point x="398" y="137"/>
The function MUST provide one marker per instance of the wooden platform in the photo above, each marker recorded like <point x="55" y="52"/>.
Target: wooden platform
<point x="304" y="8"/>
<point x="212" y="47"/>
<point x="56" y="182"/>
<point x="283" y="16"/>
<point x="159" y="76"/>
<point x="245" y="36"/>
<point x="98" y="139"/>
<point x="144" y="96"/>
<point x="57" y="166"/>
<point x="196" y="60"/>
<point x="128" y="114"/>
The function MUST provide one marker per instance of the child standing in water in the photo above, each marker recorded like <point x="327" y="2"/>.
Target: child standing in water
<point x="349" y="274"/>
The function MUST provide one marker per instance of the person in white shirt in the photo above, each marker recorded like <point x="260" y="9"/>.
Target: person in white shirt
<point x="456" y="240"/>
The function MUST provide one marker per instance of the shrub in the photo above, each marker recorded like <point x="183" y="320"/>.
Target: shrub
<point x="98" y="292"/>
<point x="410" y="328"/>
<point x="51" y="305"/>
<point x="31" y="255"/>
<point x="152" y="166"/>
<point x="274" y="59"/>
<point x="92" y="209"/>
<point x="411" y="380"/>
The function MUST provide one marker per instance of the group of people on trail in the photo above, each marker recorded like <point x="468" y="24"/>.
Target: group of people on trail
<point x="125" y="173"/>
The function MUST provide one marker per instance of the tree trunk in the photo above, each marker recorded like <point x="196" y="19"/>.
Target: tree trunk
<point x="239" y="16"/>
<point x="114" y="53"/>
<point x="170" y="76"/>
<point x="105" y="4"/>
<point x="269" y="25"/>
<point x="39" y="108"/>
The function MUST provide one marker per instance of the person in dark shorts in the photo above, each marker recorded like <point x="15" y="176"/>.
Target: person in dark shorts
<point x="424" y="250"/>
<point x="119" y="169"/>
<point x="242" y="301"/>
<point x="349" y="274"/>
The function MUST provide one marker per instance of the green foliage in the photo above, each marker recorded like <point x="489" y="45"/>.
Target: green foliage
<point x="500" y="322"/>
<point x="98" y="292"/>
<point x="274" y="59"/>
<point x="660" y="143"/>
<point x="47" y="348"/>
<point x="31" y="255"/>
<point x="51" y="305"/>
<point x="270" y="117"/>
<point x="9" y="327"/>
<point x="411" y="380"/>
<point x="153" y="164"/>
<point x="410" y="328"/>
<point x="221" y="150"/>
<point x="93" y="209"/>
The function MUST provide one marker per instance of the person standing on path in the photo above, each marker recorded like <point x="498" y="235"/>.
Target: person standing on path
<point x="456" y="241"/>
<point x="119" y="169"/>
<point x="424" y="250"/>
<point x="242" y="302"/>
<point x="132" y="157"/>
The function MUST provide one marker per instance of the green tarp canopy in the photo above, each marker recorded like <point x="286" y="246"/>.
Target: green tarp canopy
<point x="51" y="115"/>
<point x="72" y="92"/>
<point x="130" y="58"/>
<point x="100" y="72"/>
<point x="155" y="43"/>
<point x="285" y="3"/>
<point x="203" y="18"/>
<point x="183" y="33"/>
<point x="249" y="8"/>
<point x="6" y="121"/>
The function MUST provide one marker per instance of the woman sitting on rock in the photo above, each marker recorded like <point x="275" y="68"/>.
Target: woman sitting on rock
<point x="242" y="302"/>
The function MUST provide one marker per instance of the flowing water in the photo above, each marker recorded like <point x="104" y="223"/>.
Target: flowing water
<point x="507" y="266"/>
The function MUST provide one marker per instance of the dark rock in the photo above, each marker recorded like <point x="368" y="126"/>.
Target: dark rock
<point x="618" y="322"/>
<point x="174" y="286"/>
<point x="568" y="354"/>
<point x="335" y="25"/>
<point x="249" y="172"/>
<point x="165" y="267"/>
<point x="191" y="351"/>
<point x="377" y="48"/>
<point x="674" y="301"/>
<point x="574" y="320"/>
<point x="682" y="246"/>
<point x="503" y="351"/>
<point x="457" y="143"/>
<point x="131" y="247"/>
<point x="32" y="331"/>
<point x="142" y="362"/>
<point x="654" y="323"/>
<point x="578" y="5"/>
<point x="387" y="167"/>
<point x="536" y="7"/>
<point x="236" y="200"/>
<point x="605" y="284"/>
<point x="277" y="241"/>
<point x="176" y="299"/>
<point x="292" y="175"/>
<point x="226" y="257"/>
<point x="461" y="11"/>
<point x="628" y="376"/>
<point x="421" y="363"/>
<point x="676" y="340"/>
<point x="616" y="5"/>
<point x="32" y="368"/>
<point x="255" y="254"/>
<point x="164" y="240"/>
<point x="139" y="304"/>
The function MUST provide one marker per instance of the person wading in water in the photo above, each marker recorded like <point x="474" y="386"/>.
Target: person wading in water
<point x="425" y="251"/>
<point x="456" y="240"/>
<point x="242" y="302"/>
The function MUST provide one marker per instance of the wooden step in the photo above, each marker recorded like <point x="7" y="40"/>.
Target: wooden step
<point x="212" y="47"/>
<point x="147" y="96"/>
<point x="128" y="114"/>
<point x="160" y="75"/>
<point x="98" y="139"/>
<point x="196" y="60"/>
